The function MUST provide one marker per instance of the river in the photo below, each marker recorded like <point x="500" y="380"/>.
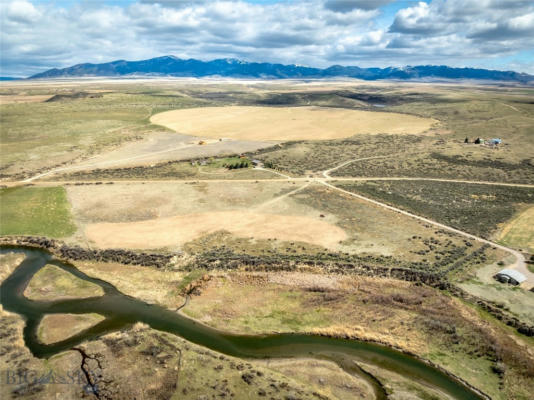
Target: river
<point x="122" y="311"/>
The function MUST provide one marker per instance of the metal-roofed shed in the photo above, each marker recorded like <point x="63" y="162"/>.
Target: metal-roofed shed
<point x="510" y="276"/>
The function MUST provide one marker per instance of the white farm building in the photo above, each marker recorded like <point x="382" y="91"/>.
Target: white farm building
<point x="510" y="276"/>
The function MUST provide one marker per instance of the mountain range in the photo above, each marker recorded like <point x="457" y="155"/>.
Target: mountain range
<point x="228" y="67"/>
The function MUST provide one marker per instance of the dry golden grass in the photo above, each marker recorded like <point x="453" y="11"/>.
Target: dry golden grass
<point x="172" y="231"/>
<point x="288" y="123"/>
<point x="8" y="263"/>
<point x="332" y="381"/>
<point x="154" y="286"/>
<point x="10" y="99"/>
<point x="53" y="329"/>
<point x="519" y="233"/>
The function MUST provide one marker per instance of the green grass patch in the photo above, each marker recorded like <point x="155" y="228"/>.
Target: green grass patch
<point x="53" y="283"/>
<point x="35" y="211"/>
<point x="190" y="277"/>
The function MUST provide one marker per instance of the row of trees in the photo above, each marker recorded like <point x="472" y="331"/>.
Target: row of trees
<point x="238" y="164"/>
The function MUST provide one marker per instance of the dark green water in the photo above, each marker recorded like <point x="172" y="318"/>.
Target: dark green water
<point x="121" y="311"/>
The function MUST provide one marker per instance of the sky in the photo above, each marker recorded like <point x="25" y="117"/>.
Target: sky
<point x="37" y="35"/>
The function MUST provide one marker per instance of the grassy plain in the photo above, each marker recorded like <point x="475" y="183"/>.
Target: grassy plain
<point x="35" y="211"/>
<point x="118" y="117"/>
<point x="41" y="135"/>
<point x="52" y="283"/>
<point x="462" y="111"/>
<point x="138" y="201"/>
<point x="263" y="219"/>
<point x="57" y="327"/>
<point x="418" y="319"/>
<point x="519" y="232"/>
<point x="314" y="288"/>
<point x="8" y="262"/>
<point x="163" y="287"/>
<point x="173" y="231"/>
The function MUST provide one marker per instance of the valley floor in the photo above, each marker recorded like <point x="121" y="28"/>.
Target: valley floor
<point x="391" y="236"/>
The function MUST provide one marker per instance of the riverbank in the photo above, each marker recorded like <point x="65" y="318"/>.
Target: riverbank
<point x="229" y="262"/>
<point x="257" y="347"/>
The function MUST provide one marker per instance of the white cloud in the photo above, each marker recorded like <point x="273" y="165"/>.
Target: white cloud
<point x="311" y="32"/>
<point x="22" y="11"/>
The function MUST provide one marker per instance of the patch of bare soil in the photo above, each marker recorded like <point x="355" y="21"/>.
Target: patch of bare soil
<point x="172" y="231"/>
<point x="159" y="147"/>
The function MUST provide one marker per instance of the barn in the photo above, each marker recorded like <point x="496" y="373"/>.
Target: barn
<point x="510" y="276"/>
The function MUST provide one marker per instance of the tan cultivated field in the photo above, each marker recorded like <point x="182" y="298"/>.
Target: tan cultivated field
<point x="288" y="123"/>
<point x="169" y="214"/>
<point x="180" y="229"/>
<point x="519" y="233"/>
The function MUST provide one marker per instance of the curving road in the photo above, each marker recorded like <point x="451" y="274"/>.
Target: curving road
<point x="518" y="265"/>
<point x="326" y="173"/>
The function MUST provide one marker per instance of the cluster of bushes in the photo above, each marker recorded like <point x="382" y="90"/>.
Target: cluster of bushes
<point x="297" y="157"/>
<point x="181" y="169"/>
<point x="169" y="169"/>
<point x="76" y="253"/>
<point x="222" y="258"/>
<point x="475" y="208"/>
<point x="437" y="165"/>
<point x="496" y="310"/>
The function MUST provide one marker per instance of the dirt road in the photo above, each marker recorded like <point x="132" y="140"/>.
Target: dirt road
<point x="283" y="178"/>
<point x="518" y="265"/>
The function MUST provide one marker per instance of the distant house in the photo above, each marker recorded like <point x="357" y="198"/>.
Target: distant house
<point x="495" y="141"/>
<point x="257" y="163"/>
<point x="510" y="276"/>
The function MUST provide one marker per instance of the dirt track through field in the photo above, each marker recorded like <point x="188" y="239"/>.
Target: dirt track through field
<point x="518" y="265"/>
<point x="284" y="179"/>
